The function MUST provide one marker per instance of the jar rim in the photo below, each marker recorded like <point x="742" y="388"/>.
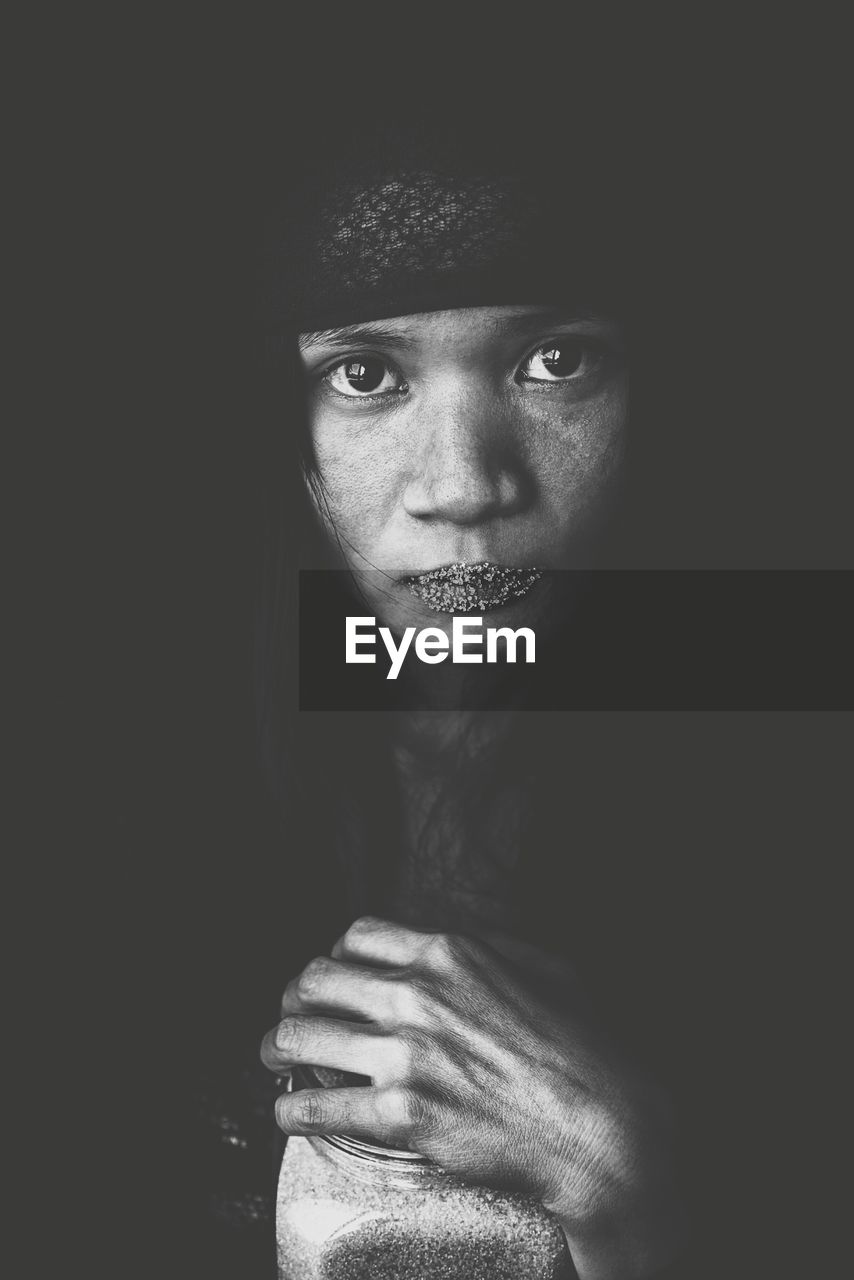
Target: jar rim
<point x="369" y="1151"/>
<point x="305" y="1078"/>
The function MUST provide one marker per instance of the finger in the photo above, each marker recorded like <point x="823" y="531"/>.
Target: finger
<point x="343" y="988"/>
<point x="327" y="1042"/>
<point x="380" y="1115"/>
<point x="382" y="942"/>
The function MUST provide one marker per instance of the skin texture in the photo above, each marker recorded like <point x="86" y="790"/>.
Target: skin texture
<point x="473" y="452"/>
<point x="492" y="1067"/>
<point x="481" y="1051"/>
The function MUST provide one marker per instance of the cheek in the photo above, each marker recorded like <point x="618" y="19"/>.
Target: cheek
<point x="578" y="458"/>
<point x="359" y="483"/>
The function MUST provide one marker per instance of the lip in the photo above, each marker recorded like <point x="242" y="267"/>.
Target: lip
<point x="471" y="588"/>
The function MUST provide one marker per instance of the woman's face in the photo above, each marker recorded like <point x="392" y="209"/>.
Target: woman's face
<point x="490" y="436"/>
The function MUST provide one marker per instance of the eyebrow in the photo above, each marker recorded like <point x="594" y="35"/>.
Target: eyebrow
<point x="395" y="336"/>
<point x="350" y="335"/>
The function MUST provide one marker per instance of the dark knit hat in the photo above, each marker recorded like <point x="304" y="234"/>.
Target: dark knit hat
<point x="406" y="219"/>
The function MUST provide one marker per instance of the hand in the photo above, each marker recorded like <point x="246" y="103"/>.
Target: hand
<point x="492" y="1082"/>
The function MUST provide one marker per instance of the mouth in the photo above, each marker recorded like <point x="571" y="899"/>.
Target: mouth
<point x="471" y="588"/>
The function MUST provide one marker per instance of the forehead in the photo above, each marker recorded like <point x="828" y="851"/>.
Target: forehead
<point x="462" y="324"/>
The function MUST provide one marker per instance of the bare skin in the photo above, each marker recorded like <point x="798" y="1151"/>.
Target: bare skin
<point x="549" y="1108"/>
<point x="495" y="434"/>
<point x="488" y="434"/>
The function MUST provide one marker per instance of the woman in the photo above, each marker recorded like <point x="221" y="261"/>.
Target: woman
<point x="461" y="325"/>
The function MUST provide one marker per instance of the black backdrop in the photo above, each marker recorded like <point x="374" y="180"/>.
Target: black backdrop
<point x="736" y="137"/>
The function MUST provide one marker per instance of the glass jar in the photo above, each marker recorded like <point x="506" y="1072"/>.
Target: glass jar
<point x="348" y="1210"/>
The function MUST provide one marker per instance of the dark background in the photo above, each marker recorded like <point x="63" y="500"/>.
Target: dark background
<point x="735" y="134"/>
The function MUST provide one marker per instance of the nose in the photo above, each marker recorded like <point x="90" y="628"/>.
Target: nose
<point x="467" y="469"/>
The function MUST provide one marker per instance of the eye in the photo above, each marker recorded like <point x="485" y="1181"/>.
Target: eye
<point x="559" y="360"/>
<point x="364" y="376"/>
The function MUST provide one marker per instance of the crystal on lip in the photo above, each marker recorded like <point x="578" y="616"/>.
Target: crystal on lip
<point x="461" y="587"/>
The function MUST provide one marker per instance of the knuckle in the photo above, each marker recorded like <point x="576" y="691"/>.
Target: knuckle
<point x="315" y="1113"/>
<point x="446" y="949"/>
<point x="290" y="1035"/>
<point x="311" y="979"/>
<point x="360" y="929"/>
<point x="312" y="1112"/>
<point x="301" y="1112"/>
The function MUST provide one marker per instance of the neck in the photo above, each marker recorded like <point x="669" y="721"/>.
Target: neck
<point x="432" y="738"/>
